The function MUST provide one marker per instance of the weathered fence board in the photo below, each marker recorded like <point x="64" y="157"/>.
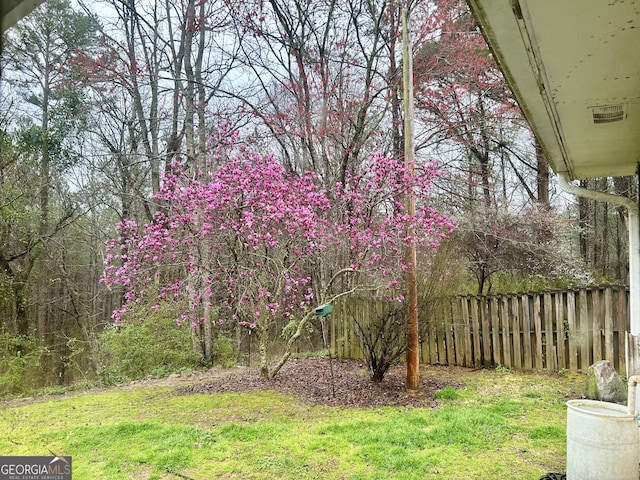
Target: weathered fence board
<point x="622" y="325"/>
<point x="537" y="325"/>
<point x="476" y="333"/>
<point x="571" y="322"/>
<point x="608" y="326"/>
<point x="596" y="317"/>
<point x="523" y="301"/>
<point x="547" y="331"/>
<point x="560" y="332"/>
<point x="583" y="330"/>
<point x="515" y="322"/>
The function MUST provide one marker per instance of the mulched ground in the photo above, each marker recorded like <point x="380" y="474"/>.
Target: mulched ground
<point x="310" y="380"/>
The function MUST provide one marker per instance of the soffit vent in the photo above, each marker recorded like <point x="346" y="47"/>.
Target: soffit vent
<point x="608" y="113"/>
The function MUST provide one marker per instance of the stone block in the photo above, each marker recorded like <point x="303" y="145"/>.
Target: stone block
<point x="604" y="383"/>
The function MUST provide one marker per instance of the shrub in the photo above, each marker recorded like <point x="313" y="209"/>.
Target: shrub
<point x="382" y="335"/>
<point x="20" y="361"/>
<point x="381" y="328"/>
<point x="156" y="346"/>
<point x="224" y="351"/>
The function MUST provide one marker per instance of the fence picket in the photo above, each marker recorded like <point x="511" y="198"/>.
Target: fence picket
<point x="608" y="326"/>
<point x="458" y="336"/>
<point x="573" y="334"/>
<point x="475" y="332"/>
<point x="440" y="335"/>
<point x="584" y="327"/>
<point x="466" y="329"/>
<point x="486" y="333"/>
<point x="526" y="331"/>
<point x="560" y="331"/>
<point x="495" y="335"/>
<point x="537" y="325"/>
<point x="596" y="316"/>
<point x="622" y="323"/>
<point x="448" y="333"/>
<point x="506" y="335"/>
<point x="432" y="329"/>
<point x="550" y="349"/>
<point x="515" y="327"/>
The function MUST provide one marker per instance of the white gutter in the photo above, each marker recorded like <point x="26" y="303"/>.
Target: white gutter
<point x="634" y="244"/>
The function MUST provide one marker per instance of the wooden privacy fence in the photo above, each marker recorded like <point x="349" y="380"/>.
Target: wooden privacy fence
<point x="551" y="331"/>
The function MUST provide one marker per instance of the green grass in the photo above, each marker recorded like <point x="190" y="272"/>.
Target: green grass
<point x="499" y="425"/>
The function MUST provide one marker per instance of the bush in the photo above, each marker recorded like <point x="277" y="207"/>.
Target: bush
<point x="224" y="351"/>
<point x="20" y="361"/>
<point x="382" y="336"/>
<point x="381" y="328"/>
<point x="156" y="346"/>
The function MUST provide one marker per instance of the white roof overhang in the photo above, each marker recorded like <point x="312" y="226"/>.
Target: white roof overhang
<point x="11" y="11"/>
<point x="574" y="68"/>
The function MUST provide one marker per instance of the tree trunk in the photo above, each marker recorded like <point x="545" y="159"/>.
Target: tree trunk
<point x="583" y="223"/>
<point x="290" y="344"/>
<point x="207" y="332"/>
<point x="394" y="83"/>
<point x="263" y="340"/>
<point x="601" y="249"/>
<point x="202" y="100"/>
<point x="542" y="177"/>
<point x="189" y="93"/>
<point x="196" y="342"/>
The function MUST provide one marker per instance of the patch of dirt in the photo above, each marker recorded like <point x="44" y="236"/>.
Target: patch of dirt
<point x="310" y="380"/>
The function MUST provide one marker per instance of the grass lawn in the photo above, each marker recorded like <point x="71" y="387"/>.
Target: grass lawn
<point x="498" y="425"/>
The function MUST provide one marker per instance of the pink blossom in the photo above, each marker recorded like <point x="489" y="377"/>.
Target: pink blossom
<point x="249" y="236"/>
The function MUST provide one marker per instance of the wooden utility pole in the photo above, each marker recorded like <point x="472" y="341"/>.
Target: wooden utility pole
<point x="413" y="345"/>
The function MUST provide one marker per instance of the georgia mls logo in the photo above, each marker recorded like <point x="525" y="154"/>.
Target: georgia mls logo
<point x="35" y="468"/>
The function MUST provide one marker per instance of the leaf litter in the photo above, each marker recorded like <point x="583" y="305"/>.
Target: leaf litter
<point x="311" y="381"/>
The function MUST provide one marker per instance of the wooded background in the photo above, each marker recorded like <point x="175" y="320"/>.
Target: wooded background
<point x="99" y="98"/>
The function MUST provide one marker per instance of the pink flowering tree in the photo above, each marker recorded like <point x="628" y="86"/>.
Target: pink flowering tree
<point x="371" y="230"/>
<point x="260" y="244"/>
